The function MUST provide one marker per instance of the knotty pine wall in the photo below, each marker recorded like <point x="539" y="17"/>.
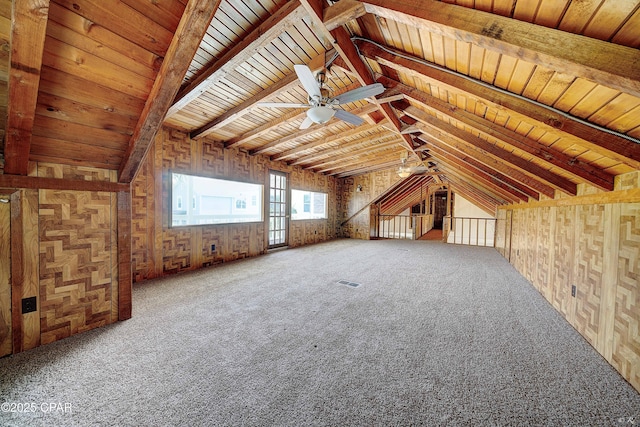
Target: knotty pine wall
<point x="591" y="241"/>
<point x="64" y="252"/>
<point x="158" y="250"/>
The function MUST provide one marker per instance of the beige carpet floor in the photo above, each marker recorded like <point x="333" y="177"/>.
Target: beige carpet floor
<point x="421" y="333"/>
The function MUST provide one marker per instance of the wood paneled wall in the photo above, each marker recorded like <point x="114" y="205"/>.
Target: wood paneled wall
<point x="5" y="278"/>
<point x="591" y="242"/>
<point x="158" y="249"/>
<point x="354" y="205"/>
<point x="64" y="252"/>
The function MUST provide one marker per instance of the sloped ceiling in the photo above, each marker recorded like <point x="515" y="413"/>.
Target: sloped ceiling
<point x="507" y="99"/>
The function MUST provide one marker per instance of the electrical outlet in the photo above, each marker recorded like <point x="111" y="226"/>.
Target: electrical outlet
<point x="29" y="305"/>
<point x="213" y="248"/>
<point x="573" y="290"/>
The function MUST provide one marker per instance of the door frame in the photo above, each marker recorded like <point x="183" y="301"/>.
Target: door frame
<point x="286" y="205"/>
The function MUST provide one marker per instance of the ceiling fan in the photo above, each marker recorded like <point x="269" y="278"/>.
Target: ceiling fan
<point x="321" y="106"/>
<point x="405" y="170"/>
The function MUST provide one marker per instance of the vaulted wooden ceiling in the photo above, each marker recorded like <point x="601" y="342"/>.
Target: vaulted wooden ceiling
<point x="507" y="99"/>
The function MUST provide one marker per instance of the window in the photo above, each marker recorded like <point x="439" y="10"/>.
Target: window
<point x="214" y="201"/>
<point x="308" y="205"/>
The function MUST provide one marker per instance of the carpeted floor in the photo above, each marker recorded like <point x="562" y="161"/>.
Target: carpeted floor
<point x="434" y="335"/>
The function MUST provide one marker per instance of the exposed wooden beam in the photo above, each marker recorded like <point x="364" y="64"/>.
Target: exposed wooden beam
<point x="388" y="152"/>
<point x="587" y="172"/>
<point x="266" y="128"/>
<point x="35" y="182"/>
<point x="484" y="201"/>
<point x="194" y="23"/>
<point x="342" y="12"/>
<point x="271" y="28"/>
<point x="495" y="175"/>
<point x="598" y="141"/>
<point x="368" y="168"/>
<point x="440" y="139"/>
<point x="531" y="168"/>
<point x="479" y="173"/>
<point x="315" y="128"/>
<point x="336" y="151"/>
<point x="341" y="41"/>
<point x="367" y="164"/>
<point x="28" y="31"/>
<point x="340" y="158"/>
<point x="289" y="82"/>
<point x="365" y="127"/>
<point x="125" y="276"/>
<point x="608" y="64"/>
<point x="481" y="187"/>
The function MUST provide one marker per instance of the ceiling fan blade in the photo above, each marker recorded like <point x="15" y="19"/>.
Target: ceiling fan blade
<point x="306" y="123"/>
<point x="348" y="117"/>
<point x="282" y="105"/>
<point x="308" y="81"/>
<point x="360" y="93"/>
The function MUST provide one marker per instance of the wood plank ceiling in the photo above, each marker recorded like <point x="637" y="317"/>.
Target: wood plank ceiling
<point x="507" y="100"/>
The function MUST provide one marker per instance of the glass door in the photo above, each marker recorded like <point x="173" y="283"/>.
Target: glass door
<point x="278" y="209"/>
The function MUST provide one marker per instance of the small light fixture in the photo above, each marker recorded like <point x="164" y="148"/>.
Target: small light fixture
<point x="404" y="172"/>
<point x="359" y="188"/>
<point x="4" y="200"/>
<point x="320" y="114"/>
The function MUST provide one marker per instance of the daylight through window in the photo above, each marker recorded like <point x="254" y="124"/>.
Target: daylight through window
<point x="214" y="201"/>
<point x="308" y="205"/>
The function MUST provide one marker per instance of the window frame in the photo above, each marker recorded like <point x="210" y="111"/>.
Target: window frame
<point x="258" y="191"/>
<point x="311" y="192"/>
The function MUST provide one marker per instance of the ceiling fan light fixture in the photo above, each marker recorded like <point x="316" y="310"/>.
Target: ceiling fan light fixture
<point x="320" y="114"/>
<point x="404" y="172"/>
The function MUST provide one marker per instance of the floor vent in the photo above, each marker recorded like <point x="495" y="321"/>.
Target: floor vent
<point x="346" y="282"/>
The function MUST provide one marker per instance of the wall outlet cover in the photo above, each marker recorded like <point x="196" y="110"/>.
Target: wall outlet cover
<point x="29" y="305"/>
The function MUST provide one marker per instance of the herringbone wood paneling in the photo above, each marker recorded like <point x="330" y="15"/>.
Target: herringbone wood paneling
<point x="188" y="248"/>
<point x="53" y="170"/>
<point x="75" y="262"/>
<point x="176" y="151"/>
<point x="176" y="249"/>
<point x="213" y="159"/>
<point x="626" y="341"/>
<point x="589" y="266"/>
<point x="562" y="273"/>
<point x="501" y="218"/>
<point x="545" y="251"/>
<point x="141" y="222"/>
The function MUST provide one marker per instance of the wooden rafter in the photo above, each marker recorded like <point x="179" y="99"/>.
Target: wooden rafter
<point x="440" y="139"/>
<point x="609" y="64"/>
<point x="368" y="163"/>
<point x="268" y="30"/>
<point x="324" y="160"/>
<point x="365" y="127"/>
<point x="27" y="43"/>
<point x="482" y="200"/>
<point x="264" y="129"/>
<point x="193" y="25"/>
<point x="495" y="175"/>
<point x="283" y="85"/>
<point x="350" y="146"/>
<point x="342" y="43"/>
<point x="304" y="132"/>
<point x="433" y="123"/>
<point x="481" y="187"/>
<point x="598" y="141"/>
<point x="480" y="173"/>
<point x="585" y="171"/>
